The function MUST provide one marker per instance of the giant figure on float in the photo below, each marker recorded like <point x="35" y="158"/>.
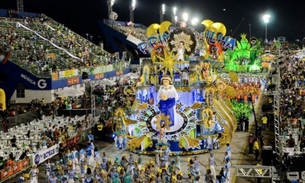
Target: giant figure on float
<point x="167" y="97"/>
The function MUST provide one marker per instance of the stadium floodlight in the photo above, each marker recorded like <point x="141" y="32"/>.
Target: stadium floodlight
<point x="132" y="7"/>
<point x="195" y="21"/>
<point x="163" y="9"/>
<point x="266" y="19"/>
<point x="162" y="12"/>
<point x="112" y="2"/>
<point x="175" y="10"/>
<point x="185" y="17"/>
<point x="176" y="18"/>
<point x="133" y="4"/>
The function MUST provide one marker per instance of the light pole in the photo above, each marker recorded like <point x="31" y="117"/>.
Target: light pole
<point x="162" y="12"/>
<point x="174" y="14"/>
<point x="250" y="31"/>
<point x="132" y="7"/>
<point x="185" y="17"/>
<point x="266" y="19"/>
<point x="110" y="4"/>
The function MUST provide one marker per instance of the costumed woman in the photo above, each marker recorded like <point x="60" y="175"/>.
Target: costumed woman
<point x="167" y="97"/>
<point x="34" y="174"/>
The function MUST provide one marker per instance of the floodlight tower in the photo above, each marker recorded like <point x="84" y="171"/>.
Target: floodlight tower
<point x="185" y="17"/>
<point x="174" y="15"/>
<point x="195" y="21"/>
<point x="266" y="19"/>
<point x="20" y="7"/>
<point x="162" y="12"/>
<point x="110" y="4"/>
<point x="132" y="7"/>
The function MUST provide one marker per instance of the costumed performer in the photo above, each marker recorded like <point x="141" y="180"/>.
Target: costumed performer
<point x="167" y="97"/>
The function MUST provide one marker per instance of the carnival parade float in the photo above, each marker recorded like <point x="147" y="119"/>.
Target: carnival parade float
<point x="181" y="103"/>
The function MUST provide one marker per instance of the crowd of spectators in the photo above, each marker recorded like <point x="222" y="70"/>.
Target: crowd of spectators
<point x="129" y="28"/>
<point x="43" y="45"/>
<point x="293" y="99"/>
<point x="49" y="131"/>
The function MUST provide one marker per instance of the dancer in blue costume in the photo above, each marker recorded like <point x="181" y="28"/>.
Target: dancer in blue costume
<point x="167" y="97"/>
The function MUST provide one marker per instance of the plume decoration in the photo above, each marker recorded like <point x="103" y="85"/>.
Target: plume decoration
<point x="216" y="27"/>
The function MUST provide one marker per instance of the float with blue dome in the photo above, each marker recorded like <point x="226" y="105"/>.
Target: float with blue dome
<point x="177" y="103"/>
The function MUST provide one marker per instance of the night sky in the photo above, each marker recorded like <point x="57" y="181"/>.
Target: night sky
<point x="82" y="15"/>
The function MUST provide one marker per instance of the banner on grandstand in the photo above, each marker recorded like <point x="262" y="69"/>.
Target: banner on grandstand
<point x="43" y="155"/>
<point x="99" y="70"/>
<point x="119" y="73"/>
<point x="11" y="171"/>
<point x="68" y="73"/>
<point x="99" y="76"/>
<point x="71" y="142"/>
<point x="133" y="39"/>
<point x="73" y="81"/>
<point x="55" y="76"/>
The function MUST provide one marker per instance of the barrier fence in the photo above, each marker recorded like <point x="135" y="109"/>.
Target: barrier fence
<point x="22" y="118"/>
<point x="40" y="157"/>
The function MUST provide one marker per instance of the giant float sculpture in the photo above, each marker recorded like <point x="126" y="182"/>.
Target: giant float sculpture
<point x="176" y="104"/>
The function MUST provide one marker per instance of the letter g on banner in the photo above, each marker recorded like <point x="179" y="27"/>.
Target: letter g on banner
<point x="42" y="84"/>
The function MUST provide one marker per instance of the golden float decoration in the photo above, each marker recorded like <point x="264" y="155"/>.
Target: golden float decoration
<point x="162" y="118"/>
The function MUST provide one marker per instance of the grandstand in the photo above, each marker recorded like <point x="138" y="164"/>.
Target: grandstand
<point x="46" y="53"/>
<point x="122" y="36"/>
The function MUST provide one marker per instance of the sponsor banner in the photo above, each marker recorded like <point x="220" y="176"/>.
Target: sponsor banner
<point x="43" y="155"/>
<point x="25" y="163"/>
<point x="118" y="73"/>
<point x="16" y="168"/>
<point x="55" y="76"/>
<point x="99" y="76"/>
<point x="133" y="39"/>
<point x="99" y="69"/>
<point x="71" y="142"/>
<point x="73" y="81"/>
<point x="68" y="73"/>
<point x="35" y="82"/>
<point x="6" y="172"/>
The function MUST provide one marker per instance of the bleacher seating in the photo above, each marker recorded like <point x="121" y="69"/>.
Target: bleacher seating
<point x="23" y="142"/>
<point x="42" y="46"/>
<point x="137" y="30"/>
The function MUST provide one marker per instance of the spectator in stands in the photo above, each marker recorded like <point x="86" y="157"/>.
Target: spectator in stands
<point x="23" y="155"/>
<point x="256" y="149"/>
<point x="302" y="144"/>
<point x="264" y="122"/>
<point x="251" y="143"/>
<point x="290" y="142"/>
<point x="5" y="125"/>
<point x="13" y="141"/>
<point x="28" y="134"/>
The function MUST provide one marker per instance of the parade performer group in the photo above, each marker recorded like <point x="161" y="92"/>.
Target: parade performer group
<point x="76" y="168"/>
